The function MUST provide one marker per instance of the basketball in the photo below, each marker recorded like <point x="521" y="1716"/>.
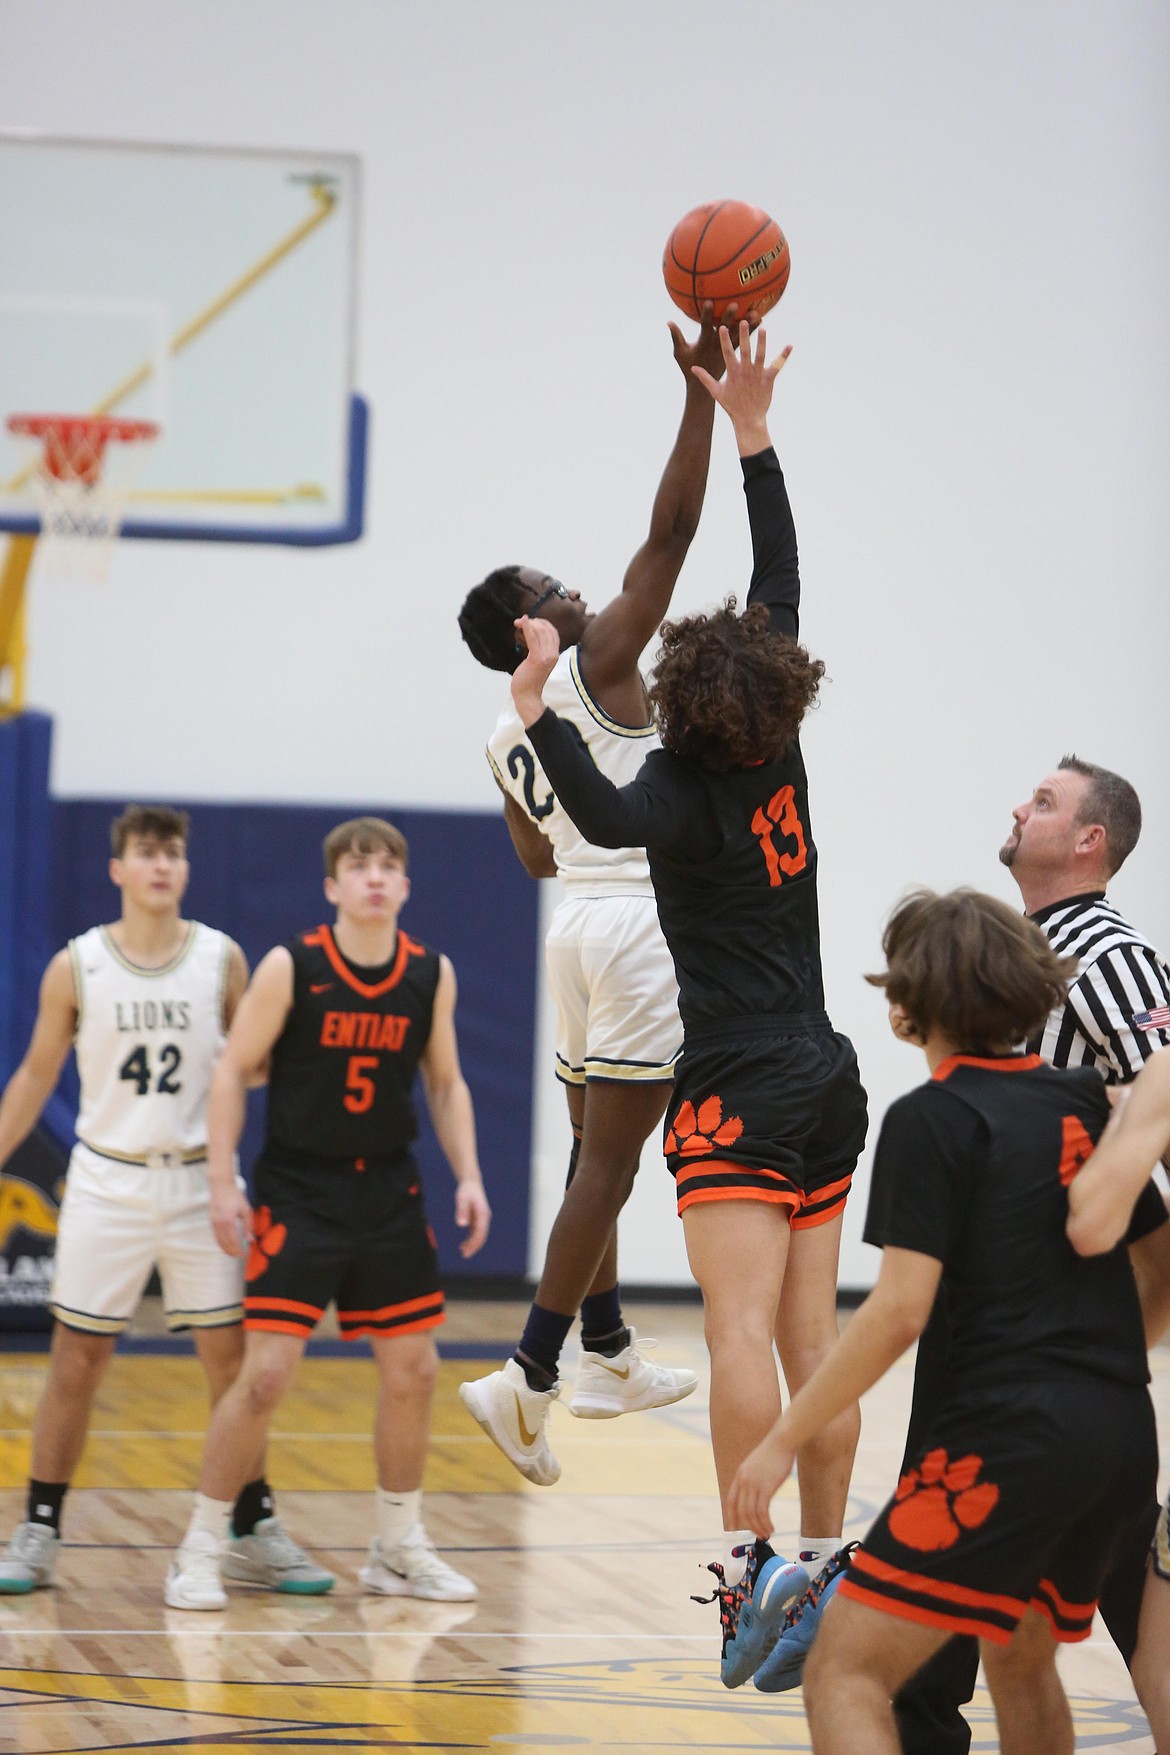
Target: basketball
<point x="728" y="252"/>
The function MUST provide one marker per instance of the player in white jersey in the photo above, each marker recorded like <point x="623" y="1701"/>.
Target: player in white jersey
<point x="611" y="975"/>
<point x="145" y="1002"/>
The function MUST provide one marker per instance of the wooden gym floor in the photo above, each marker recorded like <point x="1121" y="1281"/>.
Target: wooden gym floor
<point x="584" y="1635"/>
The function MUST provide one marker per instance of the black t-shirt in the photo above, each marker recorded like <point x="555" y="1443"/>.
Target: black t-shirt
<point x="344" y="1064"/>
<point x="731" y="855"/>
<point x="972" y="1170"/>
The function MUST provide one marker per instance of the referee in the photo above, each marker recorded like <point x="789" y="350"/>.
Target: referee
<point x="1077" y="829"/>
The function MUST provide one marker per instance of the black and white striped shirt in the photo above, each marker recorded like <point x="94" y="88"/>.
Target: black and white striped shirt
<point x="1120" y="974"/>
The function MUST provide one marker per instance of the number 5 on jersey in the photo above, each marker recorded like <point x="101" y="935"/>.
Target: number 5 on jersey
<point x="359" y="1086"/>
<point x="781" y="814"/>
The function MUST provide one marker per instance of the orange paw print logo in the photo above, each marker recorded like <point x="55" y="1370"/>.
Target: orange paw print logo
<point x="267" y="1241"/>
<point x="938" y="1500"/>
<point x="693" y="1135"/>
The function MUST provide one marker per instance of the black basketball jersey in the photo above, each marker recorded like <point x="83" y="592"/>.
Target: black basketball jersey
<point x="972" y="1169"/>
<point x="344" y="1064"/>
<point x="732" y="855"/>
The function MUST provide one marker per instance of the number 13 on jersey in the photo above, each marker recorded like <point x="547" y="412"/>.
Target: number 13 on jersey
<point x="781" y="814"/>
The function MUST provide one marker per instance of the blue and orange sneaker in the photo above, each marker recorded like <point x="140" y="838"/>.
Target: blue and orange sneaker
<point x="783" y="1668"/>
<point x="752" y="1612"/>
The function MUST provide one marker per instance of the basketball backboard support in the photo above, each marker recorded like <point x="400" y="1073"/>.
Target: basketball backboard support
<point x="208" y="290"/>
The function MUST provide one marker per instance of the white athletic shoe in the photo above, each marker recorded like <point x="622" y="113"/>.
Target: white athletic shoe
<point x="193" y="1581"/>
<point x="28" y="1561"/>
<point x="626" y="1383"/>
<point x="269" y="1556"/>
<point x="514" y="1418"/>
<point x="413" y="1569"/>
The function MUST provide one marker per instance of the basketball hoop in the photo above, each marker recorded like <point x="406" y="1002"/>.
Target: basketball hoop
<point x="80" y="503"/>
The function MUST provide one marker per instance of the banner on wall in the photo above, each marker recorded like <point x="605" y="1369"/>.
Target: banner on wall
<point x="30" y="1200"/>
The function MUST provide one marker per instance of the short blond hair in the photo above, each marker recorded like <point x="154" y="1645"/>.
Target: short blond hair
<point x="363" y="835"/>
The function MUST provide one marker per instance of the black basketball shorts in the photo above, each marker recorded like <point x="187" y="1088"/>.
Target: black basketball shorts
<point x="1020" y="1498"/>
<point x="767" y="1110"/>
<point x="351" y="1232"/>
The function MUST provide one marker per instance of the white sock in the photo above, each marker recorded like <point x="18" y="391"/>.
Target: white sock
<point x="396" y="1515"/>
<point x="816" y="1552"/>
<point x="210" y="1517"/>
<point x="735" y="1565"/>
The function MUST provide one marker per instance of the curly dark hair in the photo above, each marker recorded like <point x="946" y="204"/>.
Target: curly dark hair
<point x="486" y="619"/>
<point x="727" y="691"/>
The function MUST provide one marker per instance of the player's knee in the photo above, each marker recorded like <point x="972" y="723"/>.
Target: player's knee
<point x="263" y="1386"/>
<point x="727" y="1323"/>
<point x="79" y="1361"/>
<point x="410" y="1372"/>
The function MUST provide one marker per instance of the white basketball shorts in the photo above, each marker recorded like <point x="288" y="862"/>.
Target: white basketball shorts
<point x="118" y="1221"/>
<point x="612" y="981"/>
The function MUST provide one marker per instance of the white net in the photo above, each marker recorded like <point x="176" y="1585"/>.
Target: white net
<point x="80" y="483"/>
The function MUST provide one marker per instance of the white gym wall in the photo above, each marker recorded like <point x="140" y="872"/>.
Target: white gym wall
<point x="975" y="421"/>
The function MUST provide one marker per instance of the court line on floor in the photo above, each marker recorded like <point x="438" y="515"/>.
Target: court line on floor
<point x="364" y="1437"/>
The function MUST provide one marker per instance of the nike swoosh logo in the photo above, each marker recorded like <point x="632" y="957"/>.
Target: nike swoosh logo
<point x="613" y="1370"/>
<point x="325" y="987"/>
<point x="527" y="1436"/>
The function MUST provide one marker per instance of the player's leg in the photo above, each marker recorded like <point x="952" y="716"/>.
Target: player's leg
<point x="402" y="1560"/>
<point x="860" y="1659"/>
<point x="806" y="1330"/>
<point x="203" y="1293"/>
<point x="104" y="1255"/>
<point x="617" y="1037"/>
<point x="737" y="1251"/>
<point x="390" y="1295"/>
<point x="1031" y="1707"/>
<point x="236" y="1436"/>
<point x="1151" y="1660"/>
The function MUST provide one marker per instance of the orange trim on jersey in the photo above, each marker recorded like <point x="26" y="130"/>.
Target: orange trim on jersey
<point x="270" y="1324"/>
<point x="710" y="1166"/>
<point x="841" y="1186"/>
<point x="407" y="948"/>
<point x="1009" y="1063"/>
<point x="390" y="1334"/>
<point x="1074" y="1611"/>
<point x="289" y="1304"/>
<point x="389" y="1309"/>
<point x="787" y="1197"/>
<point x="948" y="1623"/>
<point x="962" y="1594"/>
<point x="809" y="1221"/>
<point x="1063" y="1635"/>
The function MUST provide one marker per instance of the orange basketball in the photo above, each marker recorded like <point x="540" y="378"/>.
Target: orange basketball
<point x="728" y="252"/>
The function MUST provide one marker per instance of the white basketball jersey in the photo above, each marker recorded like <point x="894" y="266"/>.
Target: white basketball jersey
<point x="147" y="1041"/>
<point x="619" y="752"/>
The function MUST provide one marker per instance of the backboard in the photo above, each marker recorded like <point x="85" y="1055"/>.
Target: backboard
<point x="208" y="290"/>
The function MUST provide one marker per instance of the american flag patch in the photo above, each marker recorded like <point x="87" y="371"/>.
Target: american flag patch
<point x="1158" y="1019"/>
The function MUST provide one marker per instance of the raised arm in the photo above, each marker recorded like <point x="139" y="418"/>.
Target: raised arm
<point x="637" y="815"/>
<point x="615" y="639"/>
<point x="1101" y="1197"/>
<point x="32" y="1084"/>
<point x="746" y="396"/>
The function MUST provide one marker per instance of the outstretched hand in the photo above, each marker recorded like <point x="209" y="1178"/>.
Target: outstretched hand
<point x="745" y="393"/>
<point x="706" y="351"/>
<point x="529" y="677"/>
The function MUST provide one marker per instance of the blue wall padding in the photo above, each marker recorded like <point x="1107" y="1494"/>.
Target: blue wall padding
<point x="26" y="853"/>
<point x="256" y="872"/>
